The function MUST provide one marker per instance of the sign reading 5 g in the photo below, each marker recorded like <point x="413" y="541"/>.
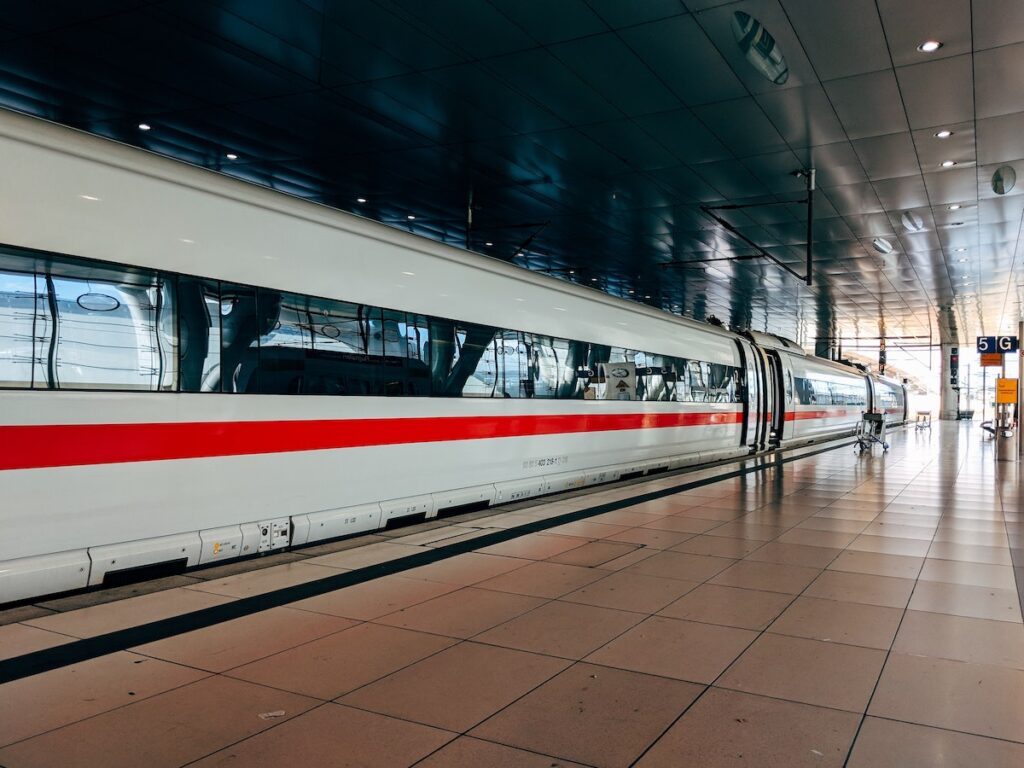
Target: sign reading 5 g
<point x="998" y="344"/>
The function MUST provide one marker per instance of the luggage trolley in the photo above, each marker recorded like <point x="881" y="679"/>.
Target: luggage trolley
<point x="871" y="430"/>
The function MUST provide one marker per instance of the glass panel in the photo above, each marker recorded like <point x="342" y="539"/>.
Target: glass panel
<point x="114" y="331"/>
<point x="199" y="325"/>
<point x="478" y="347"/>
<point x="24" y="329"/>
<point x="240" y="330"/>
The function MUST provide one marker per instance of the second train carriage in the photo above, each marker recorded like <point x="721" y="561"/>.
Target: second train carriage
<point x="195" y="369"/>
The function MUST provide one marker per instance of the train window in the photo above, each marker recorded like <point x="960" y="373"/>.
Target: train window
<point x="199" y="330"/>
<point x="240" y="330"/>
<point x="113" y="330"/>
<point x="24" y="329"/>
<point x="480" y="349"/>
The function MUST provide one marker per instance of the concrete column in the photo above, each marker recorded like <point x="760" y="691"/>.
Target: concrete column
<point x="947" y="395"/>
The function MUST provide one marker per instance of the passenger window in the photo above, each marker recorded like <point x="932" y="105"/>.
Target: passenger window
<point x="114" y="331"/>
<point x="199" y="327"/>
<point x="24" y="330"/>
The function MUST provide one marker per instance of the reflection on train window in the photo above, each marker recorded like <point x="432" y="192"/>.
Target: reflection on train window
<point x="118" y="329"/>
<point x="819" y="392"/>
<point x="24" y="329"/>
<point x="112" y="333"/>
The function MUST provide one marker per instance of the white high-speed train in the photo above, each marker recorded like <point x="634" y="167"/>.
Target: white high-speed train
<point x="193" y="369"/>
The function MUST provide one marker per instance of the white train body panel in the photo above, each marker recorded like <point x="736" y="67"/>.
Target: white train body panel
<point x="93" y="480"/>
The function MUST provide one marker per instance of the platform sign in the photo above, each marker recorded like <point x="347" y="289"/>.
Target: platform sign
<point x="986" y="344"/>
<point x="991" y="360"/>
<point x="1006" y="391"/>
<point x="1007" y="344"/>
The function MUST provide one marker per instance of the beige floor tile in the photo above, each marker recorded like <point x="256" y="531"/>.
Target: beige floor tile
<point x="972" y="553"/>
<point x="862" y="588"/>
<point x="718" y="546"/>
<point x="232" y="643"/>
<point x="535" y="546"/>
<point x="835" y="524"/>
<point x="768" y="577"/>
<point x="594" y="553"/>
<point x="794" y="554"/>
<point x="888" y="744"/>
<point x="817" y="538"/>
<point x="628" y="559"/>
<point x="965" y="600"/>
<point x="463" y="570"/>
<point x="651" y="538"/>
<point x="111" y="617"/>
<point x="871" y="626"/>
<point x="669" y="505"/>
<point x="979" y="641"/>
<point x="374" y="598"/>
<point x="747" y="531"/>
<point x="841" y="513"/>
<point x="169" y="729"/>
<point x="877" y="564"/>
<point x="336" y="664"/>
<point x="333" y="735"/>
<point x="543" y="579"/>
<point x="973" y="698"/>
<point x="40" y="703"/>
<point x="595" y="715"/>
<point x="627" y="591"/>
<point x="684" y="650"/>
<point x="458" y="687"/>
<point x="973" y="574"/>
<point x="895" y="530"/>
<point x="467" y="751"/>
<point x="888" y="545"/>
<point x="727" y="729"/>
<point x="679" y="565"/>
<point x="265" y="580"/>
<point x="682" y="524"/>
<point x="19" y="639"/>
<point x="708" y="513"/>
<point x="977" y="538"/>
<point x="561" y="629"/>
<point x="729" y="606"/>
<point x="808" y="671"/>
<point x="629" y="517"/>
<point x="463" y="613"/>
<point x="371" y="554"/>
<point x="588" y="529"/>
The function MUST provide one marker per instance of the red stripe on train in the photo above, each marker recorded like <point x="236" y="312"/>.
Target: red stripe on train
<point x="65" y="445"/>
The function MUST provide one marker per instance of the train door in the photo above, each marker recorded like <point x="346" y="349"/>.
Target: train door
<point x="755" y="411"/>
<point x="776" y="388"/>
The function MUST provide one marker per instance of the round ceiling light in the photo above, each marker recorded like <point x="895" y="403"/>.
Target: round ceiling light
<point x="1004" y="179"/>
<point x="929" y="46"/>
<point x="948" y="163"/>
<point x="912" y="222"/>
<point x="759" y="47"/>
<point x="943" y="134"/>
<point x="882" y="245"/>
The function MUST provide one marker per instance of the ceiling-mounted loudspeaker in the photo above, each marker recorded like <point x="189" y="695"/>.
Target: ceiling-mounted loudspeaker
<point x="912" y="222"/>
<point x="1004" y="179"/>
<point x="882" y="245"/>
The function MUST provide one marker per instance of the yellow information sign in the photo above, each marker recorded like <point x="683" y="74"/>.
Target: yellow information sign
<point x="991" y="359"/>
<point x="1006" y="391"/>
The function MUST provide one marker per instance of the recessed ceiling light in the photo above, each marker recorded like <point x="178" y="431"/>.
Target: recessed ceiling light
<point x="520" y="299"/>
<point x="572" y="271"/>
<point x="948" y="163"/>
<point x="956" y="223"/>
<point x="488" y="244"/>
<point x="90" y="198"/>
<point x="559" y="309"/>
<point x="929" y="46"/>
<point x="186" y="241"/>
<point x="410" y="217"/>
<point x="961" y="250"/>
<point x="593" y="279"/>
<point x="955" y="207"/>
<point x="145" y="127"/>
<point x="231" y="156"/>
<point x="962" y="261"/>
<point x="632" y="291"/>
<point x="410" y="274"/>
<point x="647" y="297"/>
<point x="360" y="199"/>
<point x="943" y="134"/>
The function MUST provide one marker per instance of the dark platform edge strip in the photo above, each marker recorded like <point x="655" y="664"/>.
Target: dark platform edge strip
<point x="49" y="659"/>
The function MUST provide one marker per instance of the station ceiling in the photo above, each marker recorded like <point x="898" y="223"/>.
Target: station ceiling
<point x="585" y="135"/>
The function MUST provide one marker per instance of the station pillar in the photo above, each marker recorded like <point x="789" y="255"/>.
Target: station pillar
<point x="949" y="378"/>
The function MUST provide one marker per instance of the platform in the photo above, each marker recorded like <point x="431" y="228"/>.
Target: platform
<point x="829" y="610"/>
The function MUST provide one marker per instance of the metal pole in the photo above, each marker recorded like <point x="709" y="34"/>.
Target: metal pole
<point x="810" y="222"/>
<point x="1020" y="388"/>
<point x="984" y="391"/>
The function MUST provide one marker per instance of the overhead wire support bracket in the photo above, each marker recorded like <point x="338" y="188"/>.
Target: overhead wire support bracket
<point x="709" y="211"/>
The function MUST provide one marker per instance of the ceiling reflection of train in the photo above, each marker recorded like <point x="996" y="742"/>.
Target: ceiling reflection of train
<point x="195" y="369"/>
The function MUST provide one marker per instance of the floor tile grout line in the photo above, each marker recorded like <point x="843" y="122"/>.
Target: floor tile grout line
<point x="45" y="660"/>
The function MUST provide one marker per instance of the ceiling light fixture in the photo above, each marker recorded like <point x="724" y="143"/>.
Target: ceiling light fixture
<point x="410" y="274"/>
<point x="488" y="244"/>
<point x="948" y="163"/>
<point x="929" y="46"/>
<point x="187" y="241"/>
<point x="961" y="250"/>
<point x="231" y="156"/>
<point x="882" y="245"/>
<point x="912" y="222"/>
<point x="410" y="217"/>
<point x="943" y="134"/>
<point x="360" y="199"/>
<point x="90" y="198"/>
<point x="955" y="207"/>
<point x="145" y="127"/>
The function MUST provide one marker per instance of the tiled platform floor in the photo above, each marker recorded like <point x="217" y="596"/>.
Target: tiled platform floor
<point x="835" y="611"/>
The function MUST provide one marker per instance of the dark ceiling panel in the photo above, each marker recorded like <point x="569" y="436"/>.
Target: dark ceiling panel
<point x="589" y="132"/>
